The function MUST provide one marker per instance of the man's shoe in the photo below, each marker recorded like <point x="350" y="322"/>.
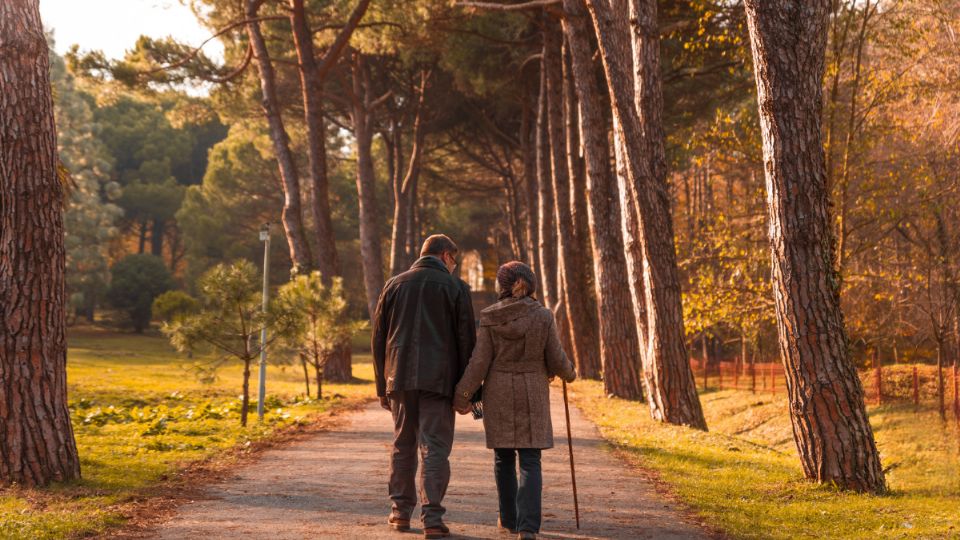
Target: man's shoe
<point x="398" y="523"/>
<point x="524" y="535"/>
<point x="440" y="531"/>
<point x="504" y="529"/>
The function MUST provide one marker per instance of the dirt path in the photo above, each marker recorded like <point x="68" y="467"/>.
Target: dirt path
<point x="334" y="486"/>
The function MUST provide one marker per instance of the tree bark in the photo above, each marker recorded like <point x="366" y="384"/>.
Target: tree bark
<point x="143" y="237"/>
<point x="619" y="348"/>
<point x="830" y="424"/>
<point x="574" y="269"/>
<point x="36" y="438"/>
<point x="306" y="373"/>
<point x="312" y="76"/>
<point x="546" y="228"/>
<point x="156" y="237"/>
<point x="292" y="216"/>
<point x="637" y="104"/>
<point x="311" y="85"/>
<point x="403" y="235"/>
<point x="370" y="238"/>
<point x="320" y="376"/>
<point x="338" y="366"/>
<point x="245" y="400"/>
<point x="528" y="148"/>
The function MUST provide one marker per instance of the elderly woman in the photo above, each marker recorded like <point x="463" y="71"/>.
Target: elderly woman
<point x="518" y="352"/>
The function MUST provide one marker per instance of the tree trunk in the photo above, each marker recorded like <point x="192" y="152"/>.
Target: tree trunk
<point x="546" y="228"/>
<point x="319" y="371"/>
<point x="413" y="212"/>
<point x="830" y="424"/>
<point x="142" y="245"/>
<point x="619" y="348"/>
<point x="156" y="237"/>
<point x="370" y="239"/>
<point x="941" y="390"/>
<point x="306" y="373"/>
<point x="405" y="188"/>
<point x="637" y="104"/>
<point x="337" y="367"/>
<point x="573" y="285"/>
<point x="36" y="439"/>
<point x="400" y="206"/>
<point x="311" y="86"/>
<point x="245" y="404"/>
<point x="312" y="76"/>
<point x="528" y="148"/>
<point x="292" y="216"/>
<point x="627" y="381"/>
<point x="956" y="365"/>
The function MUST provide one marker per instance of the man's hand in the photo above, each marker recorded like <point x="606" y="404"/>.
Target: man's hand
<point x="464" y="410"/>
<point x="385" y="403"/>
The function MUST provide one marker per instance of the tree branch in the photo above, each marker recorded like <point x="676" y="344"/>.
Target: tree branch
<point x="217" y="34"/>
<point x="333" y="53"/>
<point x="532" y="4"/>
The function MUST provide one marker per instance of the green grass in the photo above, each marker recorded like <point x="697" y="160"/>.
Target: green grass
<point x="744" y="477"/>
<point x="139" y="413"/>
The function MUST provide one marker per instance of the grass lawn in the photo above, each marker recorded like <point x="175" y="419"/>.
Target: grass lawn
<point x="744" y="476"/>
<point x="140" y="413"/>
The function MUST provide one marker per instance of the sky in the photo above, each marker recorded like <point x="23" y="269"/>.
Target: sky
<point x="113" y="26"/>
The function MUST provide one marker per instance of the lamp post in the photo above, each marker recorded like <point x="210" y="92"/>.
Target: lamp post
<point x="265" y="238"/>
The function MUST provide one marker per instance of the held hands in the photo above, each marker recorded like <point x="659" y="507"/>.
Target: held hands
<point x="385" y="403"/>
<point x="462" y="410"/>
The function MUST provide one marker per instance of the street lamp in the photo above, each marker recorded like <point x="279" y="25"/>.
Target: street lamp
<point x="265" y="238"/>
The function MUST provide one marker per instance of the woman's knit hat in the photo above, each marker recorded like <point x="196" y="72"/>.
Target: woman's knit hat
<point x="509" y="273"/>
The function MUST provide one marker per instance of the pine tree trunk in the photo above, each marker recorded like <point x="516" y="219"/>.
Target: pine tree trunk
<point x="320" y="375"/>
<point x="528" y="148"/>
<point x="156" y="237"/>
<point x="306" y="373"/>
<point x="626" y="381"/>
<point x="245" y="399"/>
<point x="311" y="83"/>
<point x="546" y="228"/>
<point x="400" y="206"/>
<point x="338" y="366"/>
<point x="830" y="424"/>
<point x="36" y="438"/>
<point x="637" y="104"/>
<point x="619" y="348"/>
<point x="403" y="237"/>
<point x="370" y="239"/>
<point x="574" y="269"/>
<point x="142" y="245"/>
<point x="531" y="186"/>
<point x="413" y="213"/>
<point x="292" y="215"/>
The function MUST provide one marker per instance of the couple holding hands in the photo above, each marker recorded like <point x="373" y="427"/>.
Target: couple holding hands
<point x="430" y="359"/>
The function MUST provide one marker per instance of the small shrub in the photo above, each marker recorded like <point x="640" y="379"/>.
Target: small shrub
<point x="135" y="281"/>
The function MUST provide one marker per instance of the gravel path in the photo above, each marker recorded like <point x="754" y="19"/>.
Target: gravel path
<point x="333" y="485"/>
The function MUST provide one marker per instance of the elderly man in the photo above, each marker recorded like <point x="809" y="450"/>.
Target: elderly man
<point x="423" y="335"/>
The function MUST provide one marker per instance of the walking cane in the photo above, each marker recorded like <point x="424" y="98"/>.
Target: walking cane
<point x="573" y="471"/>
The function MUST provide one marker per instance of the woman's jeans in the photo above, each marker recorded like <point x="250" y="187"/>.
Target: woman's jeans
<point x="519" y="503"/>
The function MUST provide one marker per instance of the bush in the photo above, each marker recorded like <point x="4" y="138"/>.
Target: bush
<point x="173" y="304"/>
<point x="135" y="281"/>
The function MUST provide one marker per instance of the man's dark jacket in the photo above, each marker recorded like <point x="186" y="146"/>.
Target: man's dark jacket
<point x="423" y="330"/>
